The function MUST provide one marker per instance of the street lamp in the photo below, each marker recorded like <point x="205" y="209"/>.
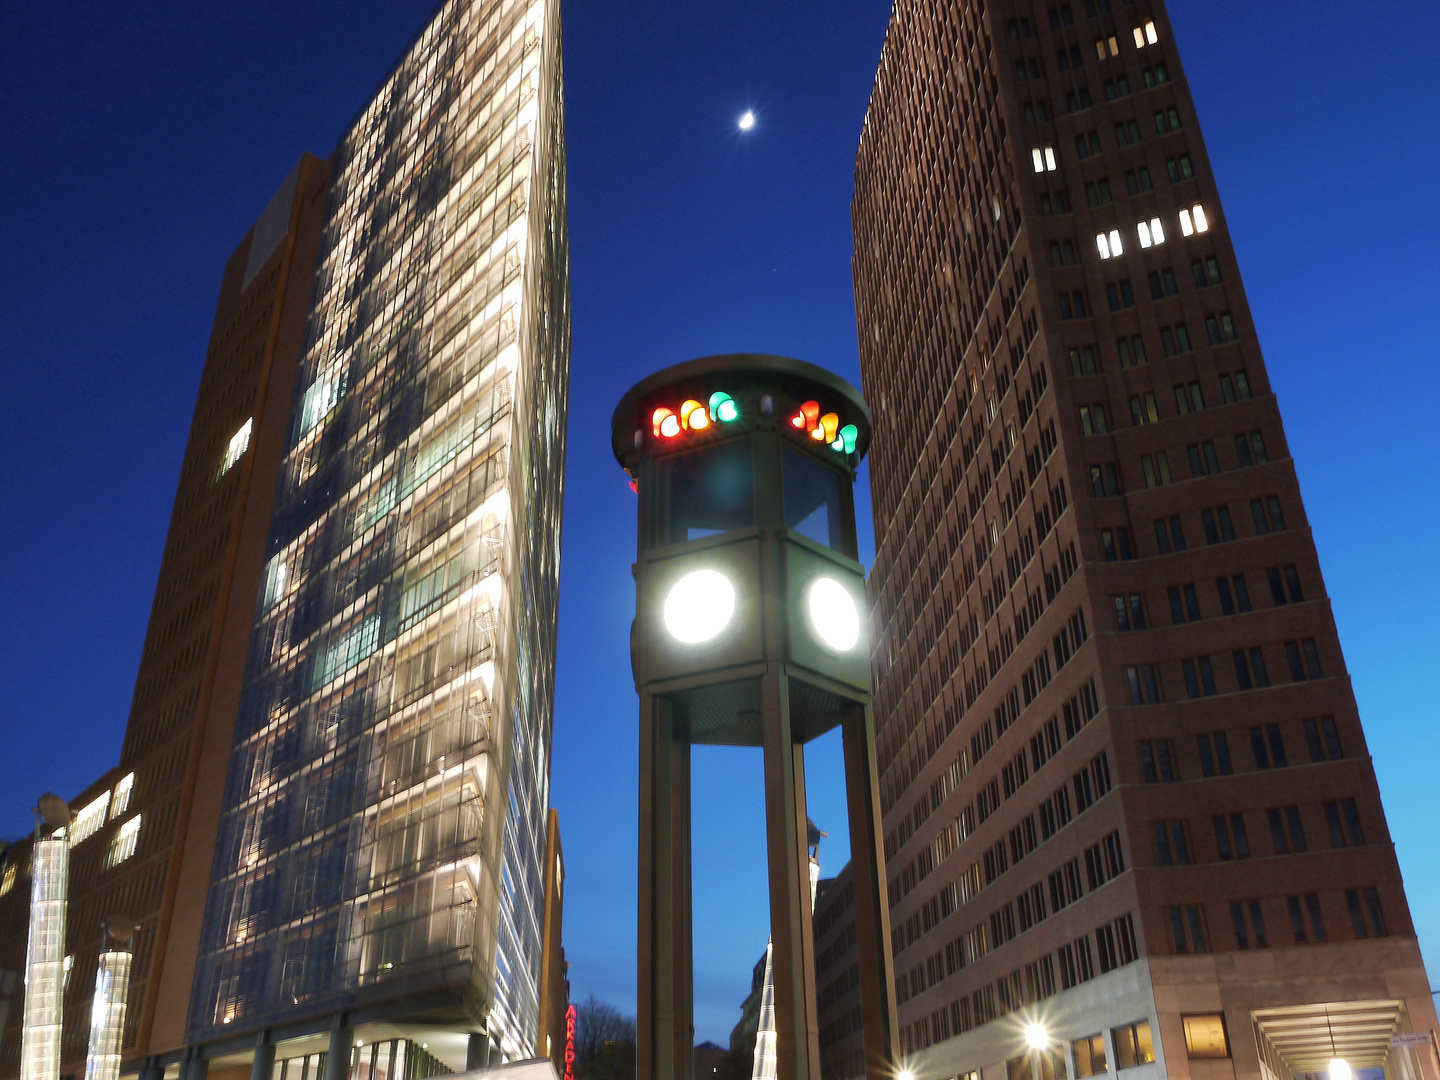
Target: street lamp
<point x="1339" y="1069"/>
<point x="750" y="630"/>
<point x="45" y="954"/>
<point x="1038" y="1039"/>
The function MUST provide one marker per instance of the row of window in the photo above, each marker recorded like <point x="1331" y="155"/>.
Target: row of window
<point x="1188" y="931"/>
<point x="1160" y="764"/>
<point x="1118" y="544"/>
<point x="1173" y="846"/>
<point x="1232" y="592"/>
<point x="1251" y="673"/>
<point x="1152" y="234"/>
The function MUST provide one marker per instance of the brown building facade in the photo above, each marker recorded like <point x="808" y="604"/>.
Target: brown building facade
<point x="1126" y="787"/>
<point x="144" y="832"/>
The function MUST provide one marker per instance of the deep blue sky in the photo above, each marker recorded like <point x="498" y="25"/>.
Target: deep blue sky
<point x="138" y="142"/>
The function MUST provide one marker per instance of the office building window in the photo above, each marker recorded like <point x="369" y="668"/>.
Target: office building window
<point x="1187" y="929"/>
<point x="1362" y="902"/>
<point x="1250" y="673"/>
<point x="1235" y="387"/>
<point x="1109" y="244"/>
<point x="1172" y="847"/>
<point x="1155" y="76"/>
<point x="1268" y="746"/>
<point x="1234" y="594"/>
<point x="120" y="801"/>
<point x="1133" y="1045"/>
<point x="1221" y="328"/>
<point x="1127" y="133"/>
<point x="1082" y="360"/>
<point x="1193" y="220"/>
<point x="1267" y="515"/>
<point x="1157" y="761"/>
<point x="1175" y="339"/>
<point x="1117" y="544"/>
<point x="1285" y="585"/>
<point x="1156" y="468"/>
<point x="1137" y="182"/>
<point x="1130" y="611"/>
<point x="1151" y="233"/>
<point x="1144" y="684"/>
<point x="1199" y="676"/>
<point x="1214" y="751"/>
<point x="1189" y="398"/>
<point x="1063" y="253"/>
<point x="1179" y="168"/>
<point x="1343" y="818"/>
<point x="1142" y="409"/>
<point x="1169" y="535"/>
<point x="1092" y="420"/>
<point x="122" y="844"/>
<point x="1255" y="932"/>
<point x="1184" y="604"/>
<point x="1145" y="35"/>
<point x="1162" y="284"/>
<point x="1131" y="350"/>
<point x="1304" y="660"/>
<point x="1072" y="305"/>
<point x="1285" y="829"/>
<point x="1043" y="158"/>
<point x="1250" y="449"/>
<point x="1120" y="296"/>
<point x="1167" y="120"/>
<point x="1311" y="907"/>
<point x="1105" y="481"/>
<point x="1323" y="738"/>
<point x="1231" y="840"/>
<point x="1205" y="1036"/>
<point x="1203" y="461"/>
<point x="1089" y="1056"/>
<point x="1087" y="144"/>
<point x="1206" y="271"/>
<point x="1218" y="525"/>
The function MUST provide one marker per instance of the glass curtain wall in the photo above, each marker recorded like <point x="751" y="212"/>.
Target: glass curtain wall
<point x="385" y="807"/>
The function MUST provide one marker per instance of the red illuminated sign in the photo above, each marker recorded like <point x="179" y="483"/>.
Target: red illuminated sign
<point x="570" y="1043"/>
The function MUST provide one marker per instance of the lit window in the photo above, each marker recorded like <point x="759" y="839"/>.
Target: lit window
<point x="1049" y="159"/>
<point x="1150" y="34"/>
<point x="1146" y="35"/>
<point x="9" y="882"/>
<point x="239" y="443"/>
<point x="1103" y="243"/>
<point x="1151" y="233"/>
<point x="122" y="845"/>
<point x="121" y="802"/>
<point x="89" y="820"/>
<point x="1109" y="244"/>
<point x="1044" y="159"/>
<point x="1193" y="220"/>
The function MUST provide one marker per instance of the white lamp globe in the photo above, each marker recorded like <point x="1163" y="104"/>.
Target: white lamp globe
<point x="833" y="614"/>
<point x="699" y="606"/>
<point x="1339" y="1069"/>
<point x="1037" y="1036"/>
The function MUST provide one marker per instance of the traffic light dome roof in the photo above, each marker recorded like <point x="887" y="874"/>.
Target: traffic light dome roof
<point x="746" y="378"/>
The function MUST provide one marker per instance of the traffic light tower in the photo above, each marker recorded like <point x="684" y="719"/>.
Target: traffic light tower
<point x="750" y="630"/>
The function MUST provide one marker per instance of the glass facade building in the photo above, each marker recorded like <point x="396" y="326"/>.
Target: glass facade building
<point x="384" y="824"/>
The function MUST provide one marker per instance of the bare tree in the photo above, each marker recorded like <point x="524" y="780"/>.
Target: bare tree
<point x="604" y="1042"/>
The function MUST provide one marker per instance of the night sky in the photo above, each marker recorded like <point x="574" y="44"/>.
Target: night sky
<point x="139" y="141"/>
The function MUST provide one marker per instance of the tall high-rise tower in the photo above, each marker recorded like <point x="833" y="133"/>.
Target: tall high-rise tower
<point x="1127" y="791"/>
<point x="384" y="830"/>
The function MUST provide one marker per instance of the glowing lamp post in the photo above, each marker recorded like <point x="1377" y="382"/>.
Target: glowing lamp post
<point x="750" y="630"/>
<point x="112" y="992"/>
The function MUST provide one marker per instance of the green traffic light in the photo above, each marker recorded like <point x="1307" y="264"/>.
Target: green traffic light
<point x="848" y="434"/>
<point x="723" y="408"/>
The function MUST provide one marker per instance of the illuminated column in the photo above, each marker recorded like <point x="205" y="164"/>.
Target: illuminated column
<point x="45" y="960"/>
<point x="107" y="1016"/>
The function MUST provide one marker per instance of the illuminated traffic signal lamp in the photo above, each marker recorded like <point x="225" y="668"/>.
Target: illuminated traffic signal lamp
<point x="846" y="442"/>
<point x="807" y="417"/>
<point x="694" y="416"/>
<point x="666" y="423"/>
<point x="723" y="408"/>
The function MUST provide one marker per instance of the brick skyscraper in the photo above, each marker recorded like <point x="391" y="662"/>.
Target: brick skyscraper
<point x="1126" y="787"/>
